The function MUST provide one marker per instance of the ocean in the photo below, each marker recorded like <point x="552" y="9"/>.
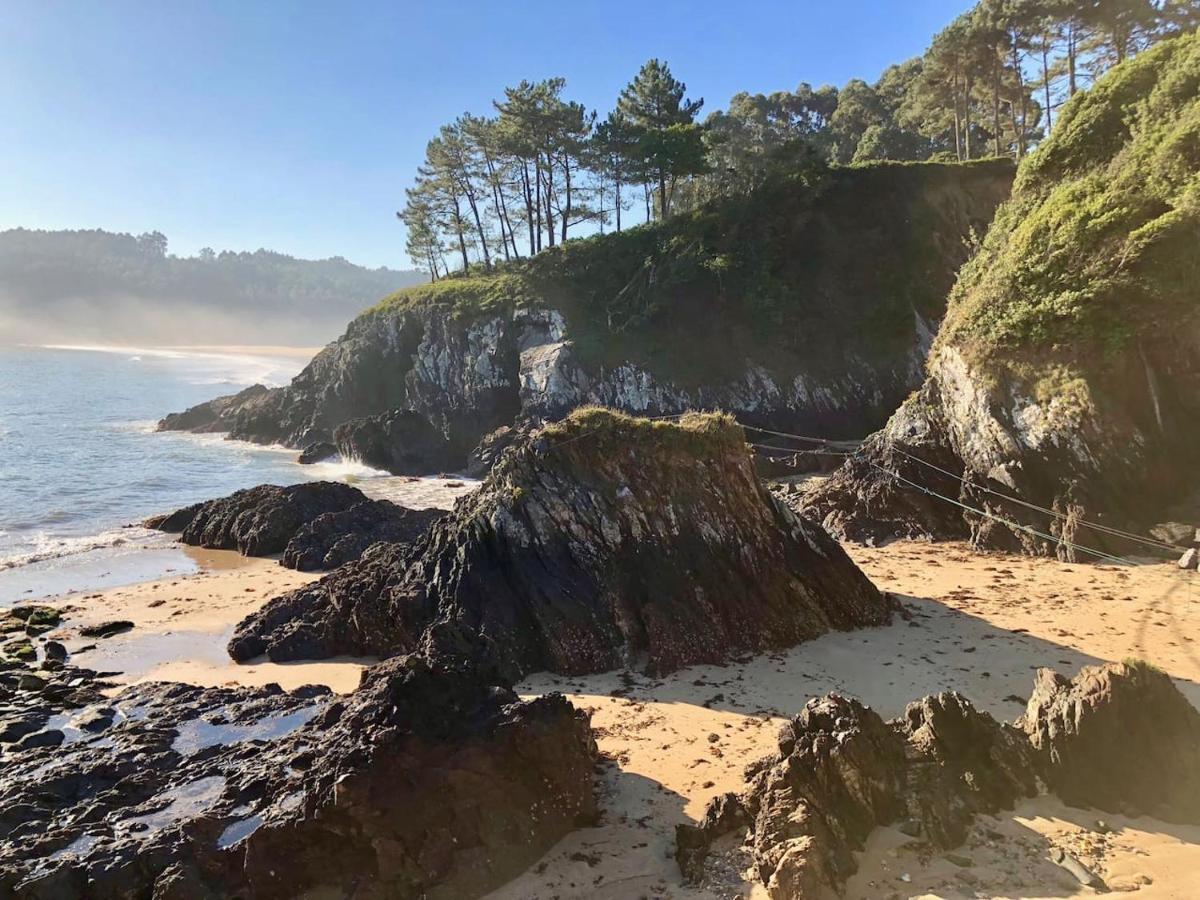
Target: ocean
<point x="80" y="460"/>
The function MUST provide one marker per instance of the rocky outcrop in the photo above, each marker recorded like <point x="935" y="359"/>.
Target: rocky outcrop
<point x="841" y="771"/>
<point x="334" y="538"/>
<point x="258" y="521"/>
<point x="400" y="441"/>
<point x="1118" y="737"/>
<point x="601" y="541"/>
<point x="1066" y="374"/>
<point x="215" y="415"/>
<point x="606" y="322"/>
<point x="428" y="782"/>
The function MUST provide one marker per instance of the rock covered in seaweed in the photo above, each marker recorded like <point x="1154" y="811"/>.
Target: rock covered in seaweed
<point x="258" y="521"/>
<point x="190" y="792"/>
<point x="599" y="542"/>
<point x="334" y="538"/>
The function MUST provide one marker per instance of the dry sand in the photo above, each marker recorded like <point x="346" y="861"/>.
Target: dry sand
<point x="980" y="624"/>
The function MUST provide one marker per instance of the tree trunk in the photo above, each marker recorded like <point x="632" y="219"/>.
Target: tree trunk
<point x="527" y="195"/>
<point x="1071" y="58"/>
<point x="548" y="194"/>
<point x="996" y="102"/>
<point x="566" y="216"/>
<point x="537" y="179"/>
<point x="1046" y="81"/>
<point x="1019" y="133"/>
<point x="662" y="194"/>
<point x="462" y="240"/>
<point x="958" y="150"/>
<point x="617" y="185"/>
<point x="967" y="114"/>
<point x="471" y="201"/>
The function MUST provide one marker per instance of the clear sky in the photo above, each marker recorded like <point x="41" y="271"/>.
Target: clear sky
<point x="297" y="125"/>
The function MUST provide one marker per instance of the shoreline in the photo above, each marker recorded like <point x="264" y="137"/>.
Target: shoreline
<point x="981" y="623"/>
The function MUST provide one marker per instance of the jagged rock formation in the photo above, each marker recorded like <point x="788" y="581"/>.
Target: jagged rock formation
<point x="1066" y="373"/>
<point x="599" y="542"/>
<point x="1119" y="735"/>
<point x="176" y="791"/>
<point x="257" y="521"/>
<point x="334" y="538"/>
<point x="658" y="321"/>
<point x="400" y="441"/>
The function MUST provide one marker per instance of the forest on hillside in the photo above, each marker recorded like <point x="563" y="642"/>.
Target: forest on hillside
<point x="506" y="186"/>
<point x="98" y="286"/>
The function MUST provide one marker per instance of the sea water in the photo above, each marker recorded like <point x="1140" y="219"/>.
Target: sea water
<point x="80" y="459"/>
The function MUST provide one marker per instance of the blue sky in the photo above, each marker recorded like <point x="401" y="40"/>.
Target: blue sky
<point x="296" y="126"/>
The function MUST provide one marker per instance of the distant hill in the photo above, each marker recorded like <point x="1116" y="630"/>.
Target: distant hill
<point x="117" y="288"/>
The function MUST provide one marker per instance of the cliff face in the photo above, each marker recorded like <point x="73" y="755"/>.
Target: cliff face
<point x="1067" y="372"/>
<point x="809" y="305"/>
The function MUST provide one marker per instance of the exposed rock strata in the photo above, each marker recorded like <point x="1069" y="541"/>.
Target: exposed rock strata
<point x="599" y="542"/>
<point x="334" y="538"/>
<point x="176" y="791"/>
<point x="1118" y="736"/>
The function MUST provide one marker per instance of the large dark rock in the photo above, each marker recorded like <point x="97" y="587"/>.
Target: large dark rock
<point x="1120" y="737"/>
<point x="841" y="771"/>
<point x="214" y="415"/>
<point x="399" y="441"/>
<point x="334" y="538"/>
<point x="599" y="542"/>
<point x="428" y="782"/>
<point x="257" y="521"/>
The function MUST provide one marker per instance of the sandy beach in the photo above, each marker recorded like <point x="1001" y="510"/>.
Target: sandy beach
<point x="980" y="623"/>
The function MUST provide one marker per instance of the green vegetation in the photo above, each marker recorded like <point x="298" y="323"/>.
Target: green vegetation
<point x="990" y="84"/>
<point x="794" y="275"/>
<point x="704" y="435"/>
<point x="1098" y="247"/>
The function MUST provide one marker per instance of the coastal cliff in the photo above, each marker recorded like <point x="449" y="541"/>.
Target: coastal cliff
<point x="1066" y="374"/>
<point x="810" y="304"/>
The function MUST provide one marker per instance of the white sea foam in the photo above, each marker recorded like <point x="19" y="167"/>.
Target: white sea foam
<point x="46" y="546"/>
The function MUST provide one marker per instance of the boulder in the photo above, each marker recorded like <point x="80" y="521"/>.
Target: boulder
<point x="257" y="521"/>
<point x="1119" y="737"/>
<point x="428" y="782"/>
<point x="315" y="452"/>
<point x="598" y="542"/>
<point x="841" y="771"/>
<point x="401" y="441"/>
<point x="493" y="444"/>
<point x="334" y="538"/>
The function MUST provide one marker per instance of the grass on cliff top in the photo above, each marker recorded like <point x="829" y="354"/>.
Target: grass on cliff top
<point x="604" y="430"/>
<point x="1100" y="244"/>
<point x="814" y="267"/>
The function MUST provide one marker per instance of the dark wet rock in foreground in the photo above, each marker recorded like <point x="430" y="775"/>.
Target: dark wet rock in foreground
<point x="257" y="521"/>
<point x="334" y="538"/>
<point x="597" y="542"/>
<point x="429" y="781"/>
<point x="1117" y="736"/>
<point x="400" y="441"/>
